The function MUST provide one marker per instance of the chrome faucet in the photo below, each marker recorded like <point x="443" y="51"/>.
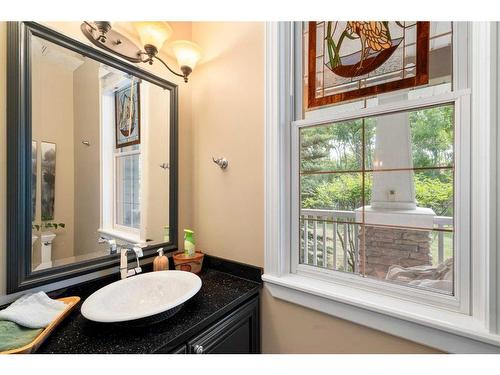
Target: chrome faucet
<point x="110" y="242"/>
<point x="124" y="271"/>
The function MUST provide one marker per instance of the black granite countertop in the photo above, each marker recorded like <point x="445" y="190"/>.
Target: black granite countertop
<point x="220" y="293"/>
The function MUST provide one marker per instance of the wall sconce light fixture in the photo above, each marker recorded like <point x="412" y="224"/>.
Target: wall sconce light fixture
<point x="153" y="36"/>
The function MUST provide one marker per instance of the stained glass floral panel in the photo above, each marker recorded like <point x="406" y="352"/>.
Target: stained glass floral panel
<point x="348" y="60"/>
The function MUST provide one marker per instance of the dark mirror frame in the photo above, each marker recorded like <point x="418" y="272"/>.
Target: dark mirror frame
<point x="19" y="250"/>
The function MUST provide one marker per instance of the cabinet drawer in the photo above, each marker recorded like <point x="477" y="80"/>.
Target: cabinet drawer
<point x="238" y="333"/>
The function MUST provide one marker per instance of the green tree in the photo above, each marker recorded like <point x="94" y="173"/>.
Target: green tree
<point x="432" y="136"/>
<point x="435" y="193"/>
<point x="332" y="147"/>
<point x="342" y="192"/>
<point x="338" y="147"/>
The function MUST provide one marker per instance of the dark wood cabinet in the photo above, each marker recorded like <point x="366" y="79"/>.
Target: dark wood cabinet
<point x="236" y="333"/>
<point x="180" y="350"/>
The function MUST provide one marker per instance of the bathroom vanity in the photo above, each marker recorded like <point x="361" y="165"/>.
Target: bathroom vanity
<point x="223" y="317"/>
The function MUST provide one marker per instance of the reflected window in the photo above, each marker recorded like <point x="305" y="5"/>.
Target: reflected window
<point x="121" y="154"/>
<point x="127" y="188"/>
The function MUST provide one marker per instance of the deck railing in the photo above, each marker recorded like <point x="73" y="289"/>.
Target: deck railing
<point x="333" y="238"/>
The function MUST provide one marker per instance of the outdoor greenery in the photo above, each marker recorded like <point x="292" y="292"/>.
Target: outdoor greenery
<point x="338" y="147"/>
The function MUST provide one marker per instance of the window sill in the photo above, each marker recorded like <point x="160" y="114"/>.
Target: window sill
<point x="441" y="329"/>
<point x="120" y="235"/>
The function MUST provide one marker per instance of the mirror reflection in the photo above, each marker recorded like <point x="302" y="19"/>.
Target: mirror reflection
<point x="100" y="158"/>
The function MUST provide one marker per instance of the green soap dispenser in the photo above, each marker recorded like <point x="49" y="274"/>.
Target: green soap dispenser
<point x="189" y="249"/>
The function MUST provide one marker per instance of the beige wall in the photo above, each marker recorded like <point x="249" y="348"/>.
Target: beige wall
<point x="228" y="113"/>
<point x="155" y="138"/>
<point x="52" y="116"/>
<point x="289" y="328"/>
<point x="87" y="172"/>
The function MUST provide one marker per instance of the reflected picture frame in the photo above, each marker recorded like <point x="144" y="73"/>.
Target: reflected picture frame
<point x="48" y="180"/>
<point x="128" y="115"/>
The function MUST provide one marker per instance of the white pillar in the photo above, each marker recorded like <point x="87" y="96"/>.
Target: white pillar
<point x="395" y="189"/>
<point x="393" y="192"/>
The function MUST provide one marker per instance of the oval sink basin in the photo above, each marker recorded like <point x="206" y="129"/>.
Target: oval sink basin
<point x="141" y="296"/>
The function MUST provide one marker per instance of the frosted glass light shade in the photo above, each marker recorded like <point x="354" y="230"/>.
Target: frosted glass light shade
<point x="186" y="52"/>
<point x="155" y="33"/>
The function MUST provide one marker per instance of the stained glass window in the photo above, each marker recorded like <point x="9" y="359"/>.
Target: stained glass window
<point x="352" y="60"/>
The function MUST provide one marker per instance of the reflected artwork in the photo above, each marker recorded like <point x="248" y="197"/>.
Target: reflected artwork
<point x="48" y="180"/>
<point x="127" y="112"/>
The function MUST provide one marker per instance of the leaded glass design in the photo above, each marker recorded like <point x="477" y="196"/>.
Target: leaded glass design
<point x="354" y="60"/>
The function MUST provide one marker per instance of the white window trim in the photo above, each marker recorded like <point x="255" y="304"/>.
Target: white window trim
<point x="124" y="235"/>
<point x="433" y="326"/>
<point x="108" y="225"/>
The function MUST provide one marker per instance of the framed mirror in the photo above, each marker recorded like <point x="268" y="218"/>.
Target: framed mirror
<point x="92" y="158"/>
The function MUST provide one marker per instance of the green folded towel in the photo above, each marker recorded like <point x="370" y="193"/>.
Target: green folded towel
<point x="13" y="336"/>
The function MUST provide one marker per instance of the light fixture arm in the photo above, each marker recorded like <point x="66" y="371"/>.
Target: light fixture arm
<point x="185" y="70"/>
<point x="153" y="54"/>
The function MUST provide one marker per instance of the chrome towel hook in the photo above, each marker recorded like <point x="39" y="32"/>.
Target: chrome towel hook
<point x="221" y="162"/>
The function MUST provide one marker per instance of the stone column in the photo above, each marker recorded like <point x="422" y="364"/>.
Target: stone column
<point x="382" y="245"/>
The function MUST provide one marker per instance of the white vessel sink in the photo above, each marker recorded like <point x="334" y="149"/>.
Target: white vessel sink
<point x="141" y="296"/>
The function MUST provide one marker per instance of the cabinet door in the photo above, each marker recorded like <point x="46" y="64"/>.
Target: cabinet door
<point x="238" y="333"/>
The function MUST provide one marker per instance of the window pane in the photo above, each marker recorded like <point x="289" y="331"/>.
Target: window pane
<point x="334" y="191"/>
<point x="332" y="240"/>
<point x="392" y="220"/>
<point x="336" y="147"/>
<point x="127" y="191"/>
<point x="424" y="195"/>
<point x="408" y="256"/>
<point x="430" y="132"/>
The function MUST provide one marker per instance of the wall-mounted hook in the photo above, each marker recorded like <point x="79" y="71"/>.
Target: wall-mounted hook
<point x="221" y="162"/>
